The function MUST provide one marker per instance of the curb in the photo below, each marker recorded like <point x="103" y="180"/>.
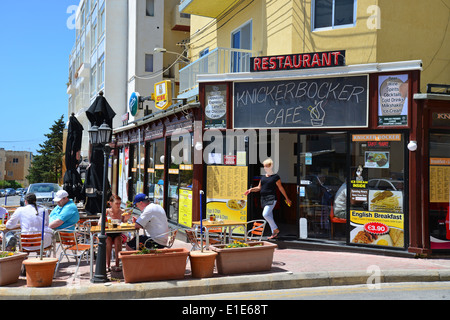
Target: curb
<point x="161" y="289"/>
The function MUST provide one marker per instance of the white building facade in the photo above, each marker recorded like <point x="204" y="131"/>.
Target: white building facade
<point x="114" y="53"/>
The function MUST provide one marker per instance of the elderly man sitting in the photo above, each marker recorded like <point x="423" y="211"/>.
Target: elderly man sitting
<point x="65" y="214"/>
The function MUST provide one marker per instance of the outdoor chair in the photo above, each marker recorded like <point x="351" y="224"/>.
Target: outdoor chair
<point x="256" y="232"/>
<point x="195" y="240"/>
<point x="71" y="246"/>
<point x="31" y="243"/>
<point x="172" y="234"/>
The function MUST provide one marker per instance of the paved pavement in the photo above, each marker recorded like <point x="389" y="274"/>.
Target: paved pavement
<point x="292" y="268"/>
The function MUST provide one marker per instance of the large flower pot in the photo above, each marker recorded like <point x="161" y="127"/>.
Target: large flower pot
<point x="10" y="268"/>
<point x="40" y="272"/>
<point x="202" y="263"/>
<point x="161" y="264"/>
<point x="258" y="256"/>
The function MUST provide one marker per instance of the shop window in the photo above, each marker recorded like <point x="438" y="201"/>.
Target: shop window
<point x="158" y="176"/>
<point x="180" y="171"/>
<point x="439" y="191"/>
<point x="330" y="14"/>
<point x="137" y="157"/>
<point x="377" y="190"/>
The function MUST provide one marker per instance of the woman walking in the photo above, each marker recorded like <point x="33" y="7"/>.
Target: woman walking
<point x="268" y="188"/>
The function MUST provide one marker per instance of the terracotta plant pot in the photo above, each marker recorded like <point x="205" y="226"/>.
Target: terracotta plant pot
<point x="257" y="257"/>
<point x="10" y="268"/>
<point x="161" y="264"/>
<point x="202" y="263"/>
<point x="40" y="272"/>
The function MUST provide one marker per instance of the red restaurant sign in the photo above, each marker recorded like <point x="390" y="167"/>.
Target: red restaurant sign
<point x="298" y="61"/>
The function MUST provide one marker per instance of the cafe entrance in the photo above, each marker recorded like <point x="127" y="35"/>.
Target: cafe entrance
<point x="321" y="173"/>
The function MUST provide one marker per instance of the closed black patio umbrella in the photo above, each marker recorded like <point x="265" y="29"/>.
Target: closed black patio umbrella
<point x="72" y="178"/>
<point x="98" y="113"/>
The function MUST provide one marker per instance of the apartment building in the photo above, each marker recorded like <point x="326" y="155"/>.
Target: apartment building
<point x="114" y="53"/>
<point x="14" y="165"/>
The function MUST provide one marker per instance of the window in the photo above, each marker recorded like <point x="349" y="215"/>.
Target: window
<point x="93" y="80"/>
<point x="333" y="13"/>
<point x="101" y="72"/>
<point x="241" y="38"/>
<point x="94" y="36"/>
<point x="150" y="11"/>
<point x="101" y="21"/>
<point x="15" y="160"/>
<point x="148" y="63"/>
<point x="204" y="52"/>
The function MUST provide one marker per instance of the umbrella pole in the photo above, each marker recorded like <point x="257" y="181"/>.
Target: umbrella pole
<point x="201" y="220"/>
<point x="42" y="235"/>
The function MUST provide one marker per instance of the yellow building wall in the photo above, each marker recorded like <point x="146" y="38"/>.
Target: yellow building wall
<point x="417" y="30"/>
<point x="385" y="31"/>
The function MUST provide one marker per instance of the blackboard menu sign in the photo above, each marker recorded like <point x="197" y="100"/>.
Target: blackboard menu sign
<point x="307" y="103"/>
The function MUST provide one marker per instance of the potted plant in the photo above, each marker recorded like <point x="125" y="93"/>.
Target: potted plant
<point x="153" y="264"/>
<point x="240" y="257"/>
<point x="202" y="263"/>
<point x="10" y="266"/>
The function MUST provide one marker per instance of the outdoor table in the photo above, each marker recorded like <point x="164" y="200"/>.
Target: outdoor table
<point x="121" y="228"/>
<point x="3" y="230"/>
<point x="224" y="224"/>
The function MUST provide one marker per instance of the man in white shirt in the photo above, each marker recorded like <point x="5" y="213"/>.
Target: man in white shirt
<point x="154" y="222"/>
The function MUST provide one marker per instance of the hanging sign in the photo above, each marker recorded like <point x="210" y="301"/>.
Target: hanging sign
<point x="133" y="103"/>
<point x="163" y="94"/>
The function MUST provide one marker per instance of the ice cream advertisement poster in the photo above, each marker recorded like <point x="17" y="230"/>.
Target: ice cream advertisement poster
<point x="393" y="100"/>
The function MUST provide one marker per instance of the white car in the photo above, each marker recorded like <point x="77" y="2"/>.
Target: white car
<point x="44" y="192"/>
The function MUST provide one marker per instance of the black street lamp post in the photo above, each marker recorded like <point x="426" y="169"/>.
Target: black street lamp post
<point x="102" y="135"/>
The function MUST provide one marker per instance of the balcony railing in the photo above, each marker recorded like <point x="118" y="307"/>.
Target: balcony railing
<point x="219" y="60"/>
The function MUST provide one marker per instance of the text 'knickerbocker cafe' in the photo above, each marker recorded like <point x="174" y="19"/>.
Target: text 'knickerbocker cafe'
<point x="362" y="154"/>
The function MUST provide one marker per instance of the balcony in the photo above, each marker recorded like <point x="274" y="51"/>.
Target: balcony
<point x="205" y="8"/>
<point x="219" y="60"/>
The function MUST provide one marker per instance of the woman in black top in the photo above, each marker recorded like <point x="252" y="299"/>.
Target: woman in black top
<point x="267" y="187"/>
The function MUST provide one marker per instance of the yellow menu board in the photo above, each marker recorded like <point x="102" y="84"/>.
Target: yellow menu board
<point x="185" y="207"/>
<point x="440" y="180"/>
<point x="225" y="187"/>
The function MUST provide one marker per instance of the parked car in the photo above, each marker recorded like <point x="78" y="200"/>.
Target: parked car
<point x="385" y="184"/>
<point x="2" y="192"/>
<point x="44" y="192"/>
<point x="10" y="192"/>
<point x="20" y="191"/>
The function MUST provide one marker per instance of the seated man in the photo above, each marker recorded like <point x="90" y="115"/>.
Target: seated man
<point x="340" y="202"/>
<point x="154" y="222"/>
<point x="65" y="215"/>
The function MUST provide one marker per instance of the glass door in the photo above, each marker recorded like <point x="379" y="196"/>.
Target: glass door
<point x="439" y="191"/>
<point x="322" y="171"/>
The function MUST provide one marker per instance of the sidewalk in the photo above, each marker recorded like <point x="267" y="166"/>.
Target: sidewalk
<point x="292" y="268"/>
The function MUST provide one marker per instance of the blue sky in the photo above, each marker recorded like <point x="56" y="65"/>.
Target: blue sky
<point x="36" y="38"/>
